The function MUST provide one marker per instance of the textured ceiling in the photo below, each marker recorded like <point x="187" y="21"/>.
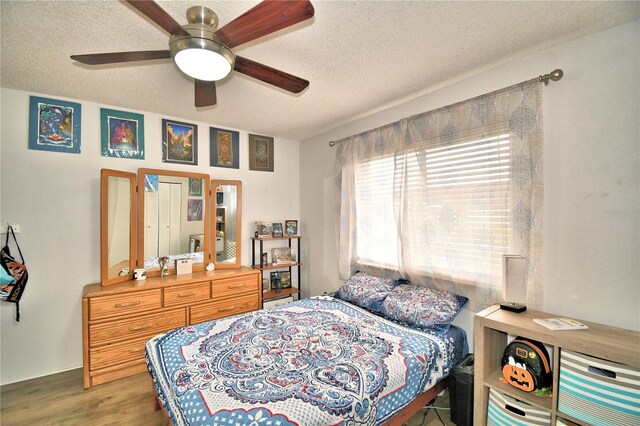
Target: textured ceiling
<point x="358" y="55"/>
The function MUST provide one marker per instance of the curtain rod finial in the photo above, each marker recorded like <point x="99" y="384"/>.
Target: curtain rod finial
<point x="554" y="75"/>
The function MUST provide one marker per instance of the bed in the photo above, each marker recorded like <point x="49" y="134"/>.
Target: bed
<point x="317" y="361"/>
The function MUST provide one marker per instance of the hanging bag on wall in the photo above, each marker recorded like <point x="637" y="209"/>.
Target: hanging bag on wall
<point x="14" y="276"/>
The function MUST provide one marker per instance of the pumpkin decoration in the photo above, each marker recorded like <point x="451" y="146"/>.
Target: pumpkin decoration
<point x="517" y="375"/>
<point x="525" y="365"/>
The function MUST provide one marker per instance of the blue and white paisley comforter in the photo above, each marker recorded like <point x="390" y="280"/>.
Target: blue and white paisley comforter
<point x="318" y="361"/>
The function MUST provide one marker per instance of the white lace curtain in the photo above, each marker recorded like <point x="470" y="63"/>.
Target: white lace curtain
<point x="437" y="198"/>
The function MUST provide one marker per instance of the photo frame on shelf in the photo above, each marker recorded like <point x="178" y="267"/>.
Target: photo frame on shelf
<point x="264" y="229"/>
<point x="54" y="125"/>
<point x="291" y="227"/>
<point x="275" y="280"/>
<point x="224" y="148"/>
<point x="122" y="134"/>
<point x="283" y="256"/>
<point x="263" y="260"/>
<point x="277" y="230"/>
<point x="285" y="279"/>
<point x="179" y="142"/>
<point x="260" y="153"/>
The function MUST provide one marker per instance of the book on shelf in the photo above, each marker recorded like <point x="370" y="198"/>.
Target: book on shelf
<point x="559" y="324"/>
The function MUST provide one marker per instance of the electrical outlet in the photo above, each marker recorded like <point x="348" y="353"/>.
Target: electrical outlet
<point x="16" y="229"/>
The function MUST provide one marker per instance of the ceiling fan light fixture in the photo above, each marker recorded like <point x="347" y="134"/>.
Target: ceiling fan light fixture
<point x="201" y="58"/>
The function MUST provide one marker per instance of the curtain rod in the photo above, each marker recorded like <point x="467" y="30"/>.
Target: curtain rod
<point x="554" y="75"/>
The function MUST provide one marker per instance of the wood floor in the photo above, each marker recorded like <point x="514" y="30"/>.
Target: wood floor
<point x="60" y="399"/>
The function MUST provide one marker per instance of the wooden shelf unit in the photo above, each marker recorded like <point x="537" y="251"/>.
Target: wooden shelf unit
<point x="493" y="326"/>
<point x="285" y="292"/>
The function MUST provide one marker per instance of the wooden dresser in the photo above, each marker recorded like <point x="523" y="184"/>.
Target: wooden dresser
<point x="118" y="319"/>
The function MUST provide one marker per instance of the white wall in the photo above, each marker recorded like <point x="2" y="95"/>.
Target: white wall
<point x="55" y="197"/>
<point x="592" y="166"/>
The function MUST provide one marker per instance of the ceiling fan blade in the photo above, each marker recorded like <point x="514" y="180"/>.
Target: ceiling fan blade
<point x="205" y="93"/>
<point x="270" y="75"/>
<point x="265" y="18"/>
<point x="158" y="15"/>
<point x="115" y="57"/>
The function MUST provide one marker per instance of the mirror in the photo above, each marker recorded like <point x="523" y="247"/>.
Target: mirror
<point x="226" y="223"/>
<point x="173" y="218"/>
<point x="117" y="226"/>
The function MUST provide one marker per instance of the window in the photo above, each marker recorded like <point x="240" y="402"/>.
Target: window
<point x="449" y="203"/>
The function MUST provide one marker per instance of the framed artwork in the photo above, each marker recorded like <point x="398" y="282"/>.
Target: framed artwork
<point x="285" y="279"/>
<point x="195" y="187"/>
<point x="260" y="153"/>
<point x="179" y="142"/>
<point x="122" y="134"/>
<point x="276" y="281"/>
<point x="277" y="230"/>
<point x="291" y="227"/>
<point x="194" y="210"/>
<point x="54" y="125"/>
<point x="283" y="256"/>
<point x="224" y="149"/>
<point x="151" y="183"/>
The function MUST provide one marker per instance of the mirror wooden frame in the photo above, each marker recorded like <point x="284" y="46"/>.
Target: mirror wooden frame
<point x="212" y="247"/>
<point x="105" y="174"/>
<point x="206" y="217"/>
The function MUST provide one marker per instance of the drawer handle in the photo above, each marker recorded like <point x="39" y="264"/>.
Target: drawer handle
<point x="186" y="294"/>
<point x="236" y="285"/>
<point x="126" y="305"/>
<point x="140" y="327"/>
<point x="602" y="372"/>
<point x="230" y="308"/>
<point x="515" y="410"/>
<point x="133" y="351"/>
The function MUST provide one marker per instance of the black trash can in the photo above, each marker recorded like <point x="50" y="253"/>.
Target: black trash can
<point x="461" y="392"/>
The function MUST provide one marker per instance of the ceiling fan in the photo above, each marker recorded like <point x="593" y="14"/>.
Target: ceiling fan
<point x="203" y="51"/>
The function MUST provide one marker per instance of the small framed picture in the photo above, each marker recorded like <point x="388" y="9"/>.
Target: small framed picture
<point x="264" y="229"/>
<point x="195" y="187"/>
<point x="54" y="125"/>
<point x="263" y="260"/>
<point x="122" y="134"/>
<point x="179" y="142"/>
<point x="276" y="281"/>
<point x="265" y="285"/>
<point x="260" y="153"/>
<point x="194" y="210"/>
<point x="283" y="256"/>
<point x="285" y="279"/>
<point x="277" y="230"/>
<point x="291" y="227"/>
<point x="224" y="148"/>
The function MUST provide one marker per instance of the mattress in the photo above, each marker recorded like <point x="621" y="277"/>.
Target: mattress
<point x="317" y="361"/>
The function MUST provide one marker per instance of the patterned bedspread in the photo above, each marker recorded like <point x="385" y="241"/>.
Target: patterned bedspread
<point x="318" y="361"/>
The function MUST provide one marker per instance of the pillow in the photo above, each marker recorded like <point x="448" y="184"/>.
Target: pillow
<point x="366" y="290"/>
<point x="422" y="306"/>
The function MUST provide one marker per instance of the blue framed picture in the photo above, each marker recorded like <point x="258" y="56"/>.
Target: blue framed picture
<point x="179" y="142"/>
<point x="54" y="125"/>
<point x="122" y="134"/>
<point x="224" y="150"/>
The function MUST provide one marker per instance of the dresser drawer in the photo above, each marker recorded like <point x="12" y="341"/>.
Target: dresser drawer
<point x="118" y="353"/>
<point x="122" y="304"/>
<point x="135" y="328"/>
<point x="236" y="286"/>
<point x="186" y="294"/>
<point x="215" y="310"/>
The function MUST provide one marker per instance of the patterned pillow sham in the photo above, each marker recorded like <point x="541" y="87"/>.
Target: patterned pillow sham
<point x="366" y="291"/>
<point x="422" y="306"/>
